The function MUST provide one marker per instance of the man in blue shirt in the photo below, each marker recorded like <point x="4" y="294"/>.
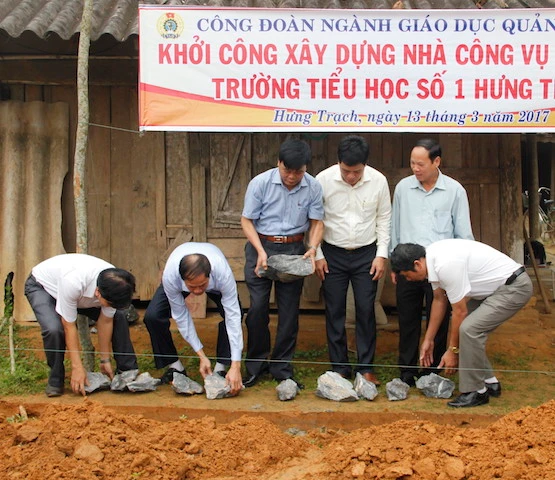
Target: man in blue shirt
<point x="281" y="205"/>
<point x="427" y="206"/>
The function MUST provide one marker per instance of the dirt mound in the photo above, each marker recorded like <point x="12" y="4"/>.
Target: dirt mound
<point x="91" y="441"/>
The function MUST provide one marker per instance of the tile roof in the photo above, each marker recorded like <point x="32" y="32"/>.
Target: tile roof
<point x="118" y="18"/>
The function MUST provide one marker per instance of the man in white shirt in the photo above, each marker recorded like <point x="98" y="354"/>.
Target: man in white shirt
<point x="357" y="212"/>
<point x="485" y="288"/>
<point x="196" y="268"/>
<point x="66" y="285"/>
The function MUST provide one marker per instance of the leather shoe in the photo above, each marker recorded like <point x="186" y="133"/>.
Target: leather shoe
<point x="371" y="377"/>
<point x="52" y="391"/>
<point x="167" y="378"/>
<point x="470" y="399"/>
<point x="252" y="380"/>
<point x="408" y="378"/>
<point x="494" y="389"/>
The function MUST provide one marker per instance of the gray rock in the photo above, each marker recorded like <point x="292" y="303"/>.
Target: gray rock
<point x="397" y="390"/>
<point x="97" y="381"/>
<point x="364" y="388"/>
<point x="216" y="387"/>
<point x="333" y="386"/>
<point x="435" y="386"/>
<point x="287" y="390"/>
<point x="287" y="268"/>
<point x="120" y="380"/>
<point x="183" y="384"/>
<point x="143" y="383"/>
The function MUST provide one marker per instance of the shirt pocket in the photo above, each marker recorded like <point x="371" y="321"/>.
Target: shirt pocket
<point x="300" y="214"/>
<point x="442" y="222"/>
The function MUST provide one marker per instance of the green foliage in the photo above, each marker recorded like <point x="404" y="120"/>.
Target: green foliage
<point x="30" y="372"/>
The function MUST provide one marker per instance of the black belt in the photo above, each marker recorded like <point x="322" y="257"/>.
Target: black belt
<point x="515" y="274"/>
<point x="351" y="250"/>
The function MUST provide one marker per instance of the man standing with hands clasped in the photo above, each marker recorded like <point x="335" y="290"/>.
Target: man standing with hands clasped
<point x="485" y="288"/>
<point x="357" y="212"/>
<point x="281" y="206"/>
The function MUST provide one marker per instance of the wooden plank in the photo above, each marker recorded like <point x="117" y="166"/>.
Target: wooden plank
<point x="178" y="179"/>
<point x="451" y="150"/>
<point x="234" y="251"/>
<point x="99" y="174"/>
<point x="61" y="71"/>
<point x="182" y="237"/>
<point x="133" y="209"/>
<point x="473" y="192"/>
<point x="198" y="173"/>
<point x="34" y="93"/>
<point x="392" y="150"/>
<point x="490" y="228"/>
<point x="510" y="188"/>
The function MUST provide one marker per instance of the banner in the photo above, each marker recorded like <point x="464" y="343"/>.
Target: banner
<point x="249" y="70"/>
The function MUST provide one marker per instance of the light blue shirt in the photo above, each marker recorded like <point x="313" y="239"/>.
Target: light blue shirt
<point x="425" y="217"/>
<point x="275" y="210"/>
<point x="221" y="281"/>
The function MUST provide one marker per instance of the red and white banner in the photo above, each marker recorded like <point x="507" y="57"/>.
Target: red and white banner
<point x="246" y="69"/>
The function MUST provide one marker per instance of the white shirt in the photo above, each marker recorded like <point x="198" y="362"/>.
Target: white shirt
<point x="359" y="215"/>
<point x="71" y="279"/>
<point x="221" y="281"/>
<point x="466" y="268"/>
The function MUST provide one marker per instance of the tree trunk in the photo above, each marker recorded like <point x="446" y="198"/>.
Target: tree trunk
<point x="79" y="184"/>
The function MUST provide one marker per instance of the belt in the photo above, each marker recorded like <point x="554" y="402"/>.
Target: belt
<point x="515" y="274"/>
<point x="283" y="238"/>
<point x="351" y="250"/>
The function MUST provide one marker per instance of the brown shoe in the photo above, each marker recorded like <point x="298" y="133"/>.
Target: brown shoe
<point x="371" y="377"/>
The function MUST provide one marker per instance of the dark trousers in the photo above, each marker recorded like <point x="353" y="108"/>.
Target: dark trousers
<point x="288" y="297"/>
<point x="157" y="321"/>
<point x="410" y="297"/>
<point x="350" y="266"/>
<point x="53" y="335"/>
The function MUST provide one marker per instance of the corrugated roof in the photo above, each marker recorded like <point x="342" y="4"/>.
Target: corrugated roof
<point x="118" y="18"/>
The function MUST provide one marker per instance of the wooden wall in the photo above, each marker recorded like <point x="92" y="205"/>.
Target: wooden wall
<point x="148" y="193"/>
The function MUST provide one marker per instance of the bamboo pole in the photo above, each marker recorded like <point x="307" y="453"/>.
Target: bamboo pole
<point x="536" y="271"/>
<point x="79" y="166"/>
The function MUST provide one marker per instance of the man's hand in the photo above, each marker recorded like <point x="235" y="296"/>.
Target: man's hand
<point x="106" y="368"/>
<point x="233" y="378"/>
<point x="205" y="368"/>
<point x="377" y="269"/>
<point x="427" y="353"/>
<point x="79" y="379"/>
<point x="449" y="361"/>
<point x="262" y="262"/>
<point x="322" y="268"/>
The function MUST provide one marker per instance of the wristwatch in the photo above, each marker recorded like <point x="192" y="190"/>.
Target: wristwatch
<point x="455" y="350"/>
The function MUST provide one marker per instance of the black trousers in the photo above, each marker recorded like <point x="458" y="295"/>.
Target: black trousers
<point x="53" y="335"/>
<point x="157" y="321"/>
<point x="410" y="298"/>
<point x="288" y="297"/>
<point x="350" y="266"/>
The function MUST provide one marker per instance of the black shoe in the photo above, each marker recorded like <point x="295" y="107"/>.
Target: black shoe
<point x="168" y="375"/>
<point x="408" y="378"/>
<point x="470" y="399"/>
<point x="252" y="380"/>
<point x="52" y="391"/>
<point x="221" y="373"/>
<point x="494" y="389"/>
